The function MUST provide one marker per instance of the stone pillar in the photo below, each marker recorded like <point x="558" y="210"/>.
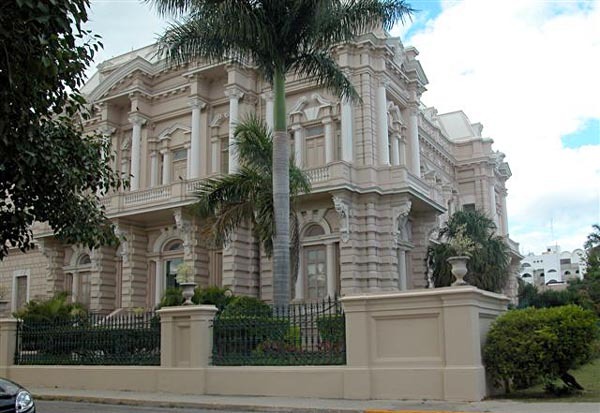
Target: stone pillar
<point x="54" y="252"/>
<point x="196" y="145"/>
<point x="413" y="140"/>
<point x="153" y="168"/>
<point x="396" y="149"/>
<point x="329" y="141"/>
<point x="331" y="290"/>
<point x="402" y="284"/>
<point x="136" y="146"/>
<point x="492" y="201"/>
<point x="268" y="97"/>
<point x="241" y="272"/>
<point x="186" y="336"/>
<point x="299" y="290"/>
<point x="298" y="145"/>
<point x="8" y="342"/>
<point x="504" y="213"/>
<point x="382" y="125"/>
<point x="102" y="280"/>
<point x="347" y="131"/>
<point x="401" y="150"/>
<point x="166" y="166"/>
<point x="188" y="161"/>
<point x="135" y="266"/>
<point x="215" y="165"/>
<point x="234" y="94"/>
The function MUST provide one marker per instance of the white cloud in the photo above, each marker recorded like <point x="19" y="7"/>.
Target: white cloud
<point x="528" y="70"/>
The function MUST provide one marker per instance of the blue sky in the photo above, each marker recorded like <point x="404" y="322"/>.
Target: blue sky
<point x="526" y="69"/>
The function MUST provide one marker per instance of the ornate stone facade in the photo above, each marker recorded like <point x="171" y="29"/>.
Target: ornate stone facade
<point x="386" y="173"/>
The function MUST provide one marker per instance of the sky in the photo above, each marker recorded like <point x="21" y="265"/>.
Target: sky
<point x="528" y="70"/>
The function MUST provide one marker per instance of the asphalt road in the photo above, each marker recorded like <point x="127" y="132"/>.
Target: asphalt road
<point x="73" y="407"/>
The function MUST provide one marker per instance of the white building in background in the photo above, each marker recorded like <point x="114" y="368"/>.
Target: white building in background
<point x="553" y="266"/>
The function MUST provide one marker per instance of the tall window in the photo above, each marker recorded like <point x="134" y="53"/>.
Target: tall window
<point x="173" y="256"/>
<point x="314" y="146"/>
<point x="225" y="154"/>
<point x="314" y="264"/>
<point x="179" y="164"/>
<point x="84" y="285"/>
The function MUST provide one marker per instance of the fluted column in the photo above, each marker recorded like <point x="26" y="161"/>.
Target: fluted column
<point x="396" y="149"/>
<point x="504" y="213"/>
<point x="492" y="201"/>
<point x="195" y="147"/>
<point x="153" y="168"/>
<point x="188" y="160"/>
<point x="329" y="142"/>
<point x="347" y="131"/>
<point x="413" y="140"/>
<point x="166" y="163"/>
<point x="297" y="129"/>
<point x="402" y="284"/>
<point x="234" y="94"/>
<point x="136" y="143"/>
<point x="382" y="125"/>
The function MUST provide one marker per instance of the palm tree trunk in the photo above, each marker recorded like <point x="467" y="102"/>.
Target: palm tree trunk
<point x="281" y="195"/>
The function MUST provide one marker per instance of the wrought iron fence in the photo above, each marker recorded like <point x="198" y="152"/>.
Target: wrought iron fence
<point x="300" y="334"/>
<point x="90" y="340"/>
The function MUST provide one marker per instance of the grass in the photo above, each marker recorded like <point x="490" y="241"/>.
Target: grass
<point x="588" y="376"/>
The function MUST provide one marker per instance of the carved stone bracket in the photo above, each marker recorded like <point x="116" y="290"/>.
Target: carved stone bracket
<point x="399" y="221"/>
<point x="122" y="236"/>
<point x="343" y="209"/>
<point x="184" y="225"/>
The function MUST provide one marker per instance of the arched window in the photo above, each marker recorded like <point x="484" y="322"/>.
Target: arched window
<point x="173" y="256"/>
<point x="84" y="260"/>
<point x="551" y="271"/>
<point x="567" y="272"/>
<point x="526" y="276"/>
<point x="314" y="264"/>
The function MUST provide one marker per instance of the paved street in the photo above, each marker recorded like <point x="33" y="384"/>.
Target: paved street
<point x="73" y="407"/>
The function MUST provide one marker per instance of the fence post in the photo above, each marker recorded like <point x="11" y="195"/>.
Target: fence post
<point x="186" y="335"/>
<point x="8" y="342"/>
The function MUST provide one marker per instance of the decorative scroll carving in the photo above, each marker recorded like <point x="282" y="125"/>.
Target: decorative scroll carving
<point x="122" y="236"/>
<point x="343" y="209"/>
<point x="399" y="221"/>
<point x="185" y="227"/>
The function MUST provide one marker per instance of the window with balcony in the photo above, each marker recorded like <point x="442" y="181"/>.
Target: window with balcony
<point x="180" y="163"/>
<point x="314" y="148"/>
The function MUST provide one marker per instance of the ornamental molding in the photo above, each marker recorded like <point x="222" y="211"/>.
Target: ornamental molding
<point x="184" y="225"/>
<point x="310" y="107"/>
<point x="343" y="210"/>
<point x="166" y="134"/>
<point x="400" y="216"/>
<point x="124" y="252"/>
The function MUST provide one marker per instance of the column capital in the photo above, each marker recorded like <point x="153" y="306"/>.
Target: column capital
<point x="295" y="127"/>
<point x="196" y="103"/>
<point x="267" y="96"/>
<point x="234" y="92"/>
<point x="164" y="151"/>
<point x="137" y="119"/>
<point x="106" y="130"/>
<point x="327" y="120"/>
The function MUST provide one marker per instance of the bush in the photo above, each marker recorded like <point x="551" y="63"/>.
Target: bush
<point x="55" y="308"/>
<point x="525" y="347"/>
<point x="246" y="307"/>
<point x="219" y="297"/>
<point x="332" y="328"/>
<point x="171" y="298"/>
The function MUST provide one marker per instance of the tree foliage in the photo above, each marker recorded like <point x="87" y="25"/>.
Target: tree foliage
<point x="489" y="263"/>
<point x="525" y="347"/>
<point x="48" y="171"/>
<point x="277" y="37"/>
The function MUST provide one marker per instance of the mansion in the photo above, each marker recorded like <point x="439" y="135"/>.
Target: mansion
<point x="386" y="173"/>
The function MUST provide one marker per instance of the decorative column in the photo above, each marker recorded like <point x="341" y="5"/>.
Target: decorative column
<point x="159" y="287"/>
<point x="234" y="94"/>
<point x="401" y="150"/>
<point x="136" y="142"/>
<point x="382" y="125"/>
<point x="195" y="148"/>
<point x="504" y="213"/>
<point x="492" y="201"/>
<point x="347" y="131"/>
<point x="154" y="168"/>
<point x="329" y="142"/>
<point x="402" y="269"/>
<point x="299" y="288"/>
<point x="268" y="97"/>
<point x="331" y="270"/>
<point x="413" y="140"/>
<point x="188" y="160"/>
<point x="395" y="149"/>
<point x="297" y="129"/>
<point x="166" y="166"/>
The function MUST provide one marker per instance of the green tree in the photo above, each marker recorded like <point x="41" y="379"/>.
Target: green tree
<point x="489" y="262"/>
<point x="588" y="288"/>
<point x="279" y="37"/>
<point x="48" y="171"/>
<point x="246" y="197"/>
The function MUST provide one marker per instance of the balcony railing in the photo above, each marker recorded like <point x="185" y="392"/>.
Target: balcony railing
<point x="147" y="195"/>
<point x="318" y="174"/>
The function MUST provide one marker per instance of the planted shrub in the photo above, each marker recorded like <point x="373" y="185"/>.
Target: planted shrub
<point x="332" y="328"/>
<point x="246" y="306"/>
<point x="525" y="347"/>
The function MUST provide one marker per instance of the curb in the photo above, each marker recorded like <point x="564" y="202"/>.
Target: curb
<point x="207" y="406"/>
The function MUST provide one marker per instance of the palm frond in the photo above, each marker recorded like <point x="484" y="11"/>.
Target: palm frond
<point x="254" y="143"/>
<point x="341" y="21"/>
<point x="321" y="68"/>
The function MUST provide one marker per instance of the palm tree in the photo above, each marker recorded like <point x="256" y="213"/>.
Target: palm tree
<point x="226" y="202"/>
<point x="489" y="263"/>
<point x="278" y="37"/>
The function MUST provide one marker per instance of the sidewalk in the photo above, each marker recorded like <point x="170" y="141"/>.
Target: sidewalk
<point x="299" y="405"/>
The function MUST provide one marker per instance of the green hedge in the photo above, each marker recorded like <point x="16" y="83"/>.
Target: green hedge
<point x="332" y="328"/>
<point x="525" y="347"/>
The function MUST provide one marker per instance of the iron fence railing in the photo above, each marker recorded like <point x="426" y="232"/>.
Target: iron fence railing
<point x="299" y="334"/>
<point x="90" y="340"/>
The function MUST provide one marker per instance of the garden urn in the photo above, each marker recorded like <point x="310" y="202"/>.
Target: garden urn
<point x="188" y="292"/>
<point x="459" y="269"/>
